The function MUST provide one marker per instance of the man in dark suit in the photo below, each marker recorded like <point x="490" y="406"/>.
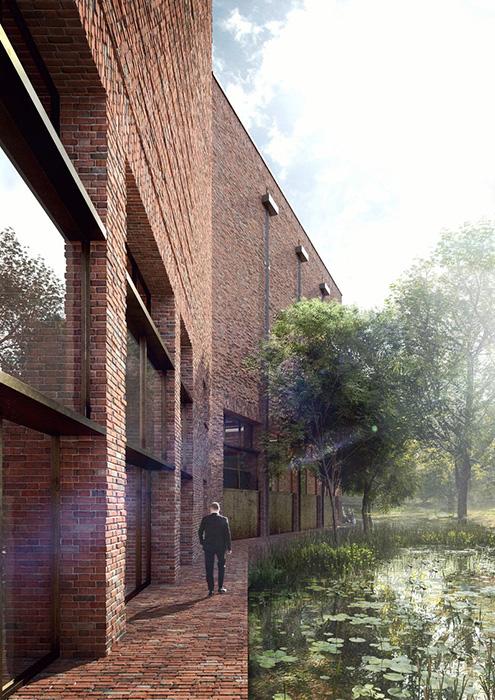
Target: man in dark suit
<point x="214" y="535"/>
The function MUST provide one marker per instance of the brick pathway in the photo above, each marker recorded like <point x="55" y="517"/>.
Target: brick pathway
<point x="180" y="645"/>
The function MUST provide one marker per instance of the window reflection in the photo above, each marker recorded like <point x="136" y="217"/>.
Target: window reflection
<point x="133" y="391"/>
<point x="240" y="459"/>
<point x="138" y="518"/>
<point x="154" y="409"/>
<point x="39" y="309"/>
<point x="28" y="505"/>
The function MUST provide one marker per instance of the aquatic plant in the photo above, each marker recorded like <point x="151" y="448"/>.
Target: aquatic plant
<point x="407" y="614"/>
<point x="317" y="554"/>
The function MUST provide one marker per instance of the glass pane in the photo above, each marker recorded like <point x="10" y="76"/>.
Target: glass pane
<point x="240" y="468"/>
<point x="154" y="410"/>
<point x="247" y="435"/>
<point x="132" y="389"/>
<point x="145" y="528"/>
<point x="248" y="467"/>
<point x="231" y="432"/>
<point x="40" y="303"/>
<point x="29" y="548"/>
<point x="245" y="480"/>
<point x="230" y="479"/>
<point x="131" y="504"/>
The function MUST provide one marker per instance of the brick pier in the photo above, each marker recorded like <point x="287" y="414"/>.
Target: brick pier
<point x="179" y="645"/>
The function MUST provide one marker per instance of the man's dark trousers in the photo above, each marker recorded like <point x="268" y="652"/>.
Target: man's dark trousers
<point x="209" y="566"/>
<point x="214" y="535"/>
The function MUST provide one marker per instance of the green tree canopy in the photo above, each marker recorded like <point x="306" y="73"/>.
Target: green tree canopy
<point x="445" y="307"/>
<point x="331" y="395"/>
<point x="30" y="296"/>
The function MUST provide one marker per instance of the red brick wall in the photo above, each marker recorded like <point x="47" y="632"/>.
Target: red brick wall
<point x="27" y="518"/>
<point x="240" y="178"/>
<point x="136" y="119"/>
<point x="135" y="87"/>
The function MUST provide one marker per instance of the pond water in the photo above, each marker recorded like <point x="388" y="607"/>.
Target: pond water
<point x="419" y="626"/>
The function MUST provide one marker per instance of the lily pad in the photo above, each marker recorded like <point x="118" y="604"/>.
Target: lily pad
<point x="393" y="677"/>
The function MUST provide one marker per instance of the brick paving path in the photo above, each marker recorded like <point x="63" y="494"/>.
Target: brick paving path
<point x="179" y="645"/>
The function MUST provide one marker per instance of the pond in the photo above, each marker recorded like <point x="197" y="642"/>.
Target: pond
<point x="419" y="626"/>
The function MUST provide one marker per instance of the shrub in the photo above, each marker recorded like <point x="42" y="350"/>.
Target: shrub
<point x="316" y="555"/>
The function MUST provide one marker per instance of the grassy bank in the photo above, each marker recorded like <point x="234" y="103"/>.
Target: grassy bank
<point x="316" y="555"/>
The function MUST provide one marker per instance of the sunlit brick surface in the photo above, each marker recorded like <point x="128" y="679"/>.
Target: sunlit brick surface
<point x="179" y="644"/>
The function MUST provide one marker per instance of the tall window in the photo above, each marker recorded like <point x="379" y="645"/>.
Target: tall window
<point x="145" y="423"/>
<point x="240" y="457"/>
<point x="138" y="546"/>
<point x="144" y="394"/>
<point x="40" y="295"/>
<point x="30" y="550"/>
<point x="46" y="229"/>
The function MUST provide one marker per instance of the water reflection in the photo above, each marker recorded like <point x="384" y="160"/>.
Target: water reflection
<point x="419" y="626"/>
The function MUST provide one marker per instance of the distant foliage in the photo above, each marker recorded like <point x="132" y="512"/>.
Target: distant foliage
<point x="317" y="555"/>
<point x="31" y="297"/>
<point x="445" y="310"/>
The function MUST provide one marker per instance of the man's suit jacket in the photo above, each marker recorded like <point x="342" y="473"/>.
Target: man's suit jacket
<point x="214" y="533"/>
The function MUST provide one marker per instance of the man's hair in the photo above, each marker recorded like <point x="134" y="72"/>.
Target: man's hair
<point x="215" y="506"/>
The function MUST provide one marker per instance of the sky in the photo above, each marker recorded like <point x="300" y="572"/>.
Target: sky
<point x="377" y="118"/>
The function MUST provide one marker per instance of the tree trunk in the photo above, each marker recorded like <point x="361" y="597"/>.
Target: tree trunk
<point x="462" y="477"/>
<point x="463" y="462"/>
<point x="462" y="494"/>
<point x="334" y="516"/>
<point x="331" y="492"/>
<point x="365" y="510"/>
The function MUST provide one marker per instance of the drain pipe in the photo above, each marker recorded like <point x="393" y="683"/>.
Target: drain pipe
<point x="271" y="209"/>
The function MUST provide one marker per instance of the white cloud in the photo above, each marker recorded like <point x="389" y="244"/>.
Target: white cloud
<point x="394" y="117"/>
<point x="240" y="26"/>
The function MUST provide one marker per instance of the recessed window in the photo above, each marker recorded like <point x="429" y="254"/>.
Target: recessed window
<point x="240" y="457"/>
<point x="324" y="289"/>
<point x="40" y="294"/>
<point x="144" y="386"/>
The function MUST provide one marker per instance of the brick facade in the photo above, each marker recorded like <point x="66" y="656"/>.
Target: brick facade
<point x="177" y="183"/>
<point x="240" y="179"/>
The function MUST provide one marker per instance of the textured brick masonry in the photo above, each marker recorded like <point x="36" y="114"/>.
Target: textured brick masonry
<point x="175" y="179"/>
<point x="180" y="645"/>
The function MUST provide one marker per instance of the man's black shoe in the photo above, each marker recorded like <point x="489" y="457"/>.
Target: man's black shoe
<point x="222" y="590"/>
<point x="210" y="593"/>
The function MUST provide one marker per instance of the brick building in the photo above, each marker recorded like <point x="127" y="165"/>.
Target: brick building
<point x="125" y="403"/>
<point x="259" y="256"/>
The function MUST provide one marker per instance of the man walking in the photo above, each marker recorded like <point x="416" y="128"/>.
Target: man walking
<point x="214" y="535"/>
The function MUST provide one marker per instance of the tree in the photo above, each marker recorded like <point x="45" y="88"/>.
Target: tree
<point x="30" y="296"/>
<point x="434" y="473"/>
<point x="331" y="401"/>
<point x="445" y="308"/>
<point x="375" y="468"/>
<point x="314" y="389"/>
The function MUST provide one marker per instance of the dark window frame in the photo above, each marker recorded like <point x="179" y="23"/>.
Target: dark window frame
<point x="141" y="325"/>
<point x="138" y="279"/>
<point x="242" y="450"/>
<point x="143" y="528"/>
